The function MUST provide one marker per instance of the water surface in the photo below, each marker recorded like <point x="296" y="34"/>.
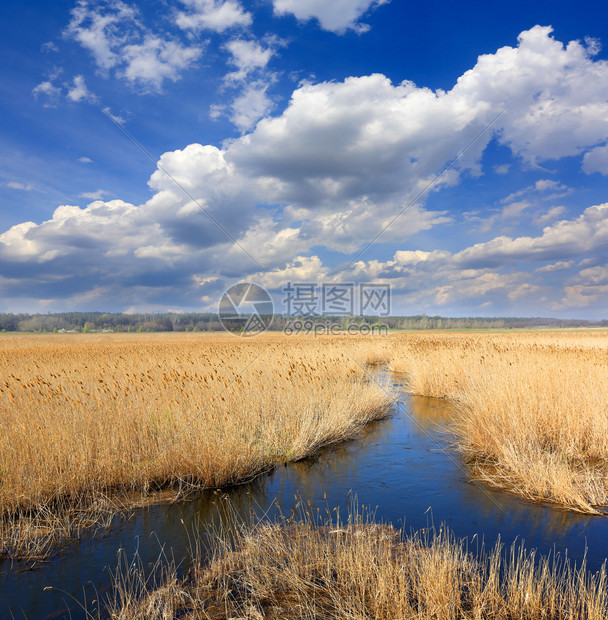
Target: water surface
<point x="404" y="466"/>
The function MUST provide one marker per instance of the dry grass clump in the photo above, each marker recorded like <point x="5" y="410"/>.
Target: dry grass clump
<point x="39" y="534"/>
<point x="531" y="409"/>
<point x="361" y="571"/>
<point x="86" y="416"/>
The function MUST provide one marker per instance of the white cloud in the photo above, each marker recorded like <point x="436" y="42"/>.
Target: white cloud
<point x="435" y="281"/>
<point x="555" y="97"/>
<point x="542" y="185"/>
<point x="49" y="46"/>
<point x="330" y="172"/>
<point x="349" y="226"/>
<point x="215" y="15"/>
<point x="596" y="160"/>
<point x="514" y="210"/>
<point x="588" y="287"/>
<point x="102" y="29"/>
<point x="502" y="169"/>
<point x="515" y="207"/>
<point x="79" y="91"/>
<point x="552" y="214"/>
<point x="155" y="60"/>
<point x="48" y="90"/>
<point x="581" y="296"/>
<point x="16" y="243"/>
<point x="115" y="117"/>
<point x="522" y="291"/>
<point x="368" y="136"/>
<point x="247" y="56"/>
<point x="20" y="186"/>
<point x="272" y="243"/>
<point x="113" y="33"/>
<point x="216" y="110"/>
<point x="594" y="275"/>
<point x="300" y="269"/>
<point x="98" y="195"/>
<point x="559" y="266"/>
<point x="360" y="137"/>
<point x="252" y="79"/>
<point x="250" y="106"/>
<point x="336" y="16"/>
<point x="567" y="238"/>
<point x="85" y="160"/>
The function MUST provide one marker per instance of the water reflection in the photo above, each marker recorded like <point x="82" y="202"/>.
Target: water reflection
<point x="403" y="465"/>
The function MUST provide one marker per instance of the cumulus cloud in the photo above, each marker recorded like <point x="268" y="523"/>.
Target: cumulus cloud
<point x="596" y="160"/>
<point x="594" y="275"/>
<point x="556" y="95"/>
<point x="113" y="33"/>
<point x="101" y="28"/>
<point x="542" y="185"/>
<point x="299" y="269"/>
<point x="155" y="60"/>
<point x="337" y="16"/>
<point x="49" y="91"/>
<point x="588" y="287"/>
<point x="435" y="281"/>
<point x="368" y="136"/>
<point x="350" y="227"/>
<point x="559" y="266"/>
<point x="515" y="209"/>
<point x="115" y="117"/>
<point x="134" y="254"/>
<point x="328" y="173"/>
<point x="246" y="56"/>
<point x="552" y="214"/>
<point x="363" y="136"/>
<point x="252" y="78"/>
<point x="566" y="238"/>
<point x="79" y="91"/>
<point x="522" y="200"/>
<point x="215" y="15"/>
<point x="251" y="105"/>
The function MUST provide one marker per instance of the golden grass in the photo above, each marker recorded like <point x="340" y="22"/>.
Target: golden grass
<point x="359" y="571"/>
<point x="531" y="408"/>
<point x="82" y="417"/>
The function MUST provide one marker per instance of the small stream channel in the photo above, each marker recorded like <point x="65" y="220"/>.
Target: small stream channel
<point x="402" y="465"/>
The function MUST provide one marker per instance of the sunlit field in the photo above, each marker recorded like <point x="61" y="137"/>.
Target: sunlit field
<point x="531" y="407"/>
<point x="94" y="424"/>
<point x="311" y="568"/>
<point x="87" y="420"/>
<point x="99" y="421"/>
<point x="529" y="416"/>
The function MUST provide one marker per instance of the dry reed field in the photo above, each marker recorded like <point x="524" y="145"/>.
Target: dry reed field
<point x="358" y="571"/>
<point x="84" y="418"/>
<point x="531" y="407"/>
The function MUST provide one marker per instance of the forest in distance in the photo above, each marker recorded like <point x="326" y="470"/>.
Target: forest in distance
<point x="209" y="322"/>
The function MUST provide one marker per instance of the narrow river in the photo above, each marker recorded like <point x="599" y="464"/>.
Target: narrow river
<point x="403" y="466"/>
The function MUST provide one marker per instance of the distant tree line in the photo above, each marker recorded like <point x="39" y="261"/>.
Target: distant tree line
<point x="174" y="322"/>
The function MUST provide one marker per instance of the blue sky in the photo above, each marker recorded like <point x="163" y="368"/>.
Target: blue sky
<point x="283" y="135"/>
